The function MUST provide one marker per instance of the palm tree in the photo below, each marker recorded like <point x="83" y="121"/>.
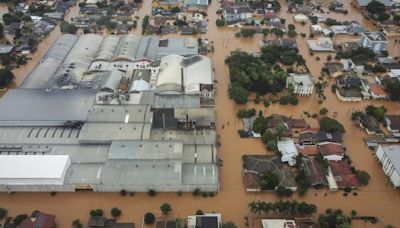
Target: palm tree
<point x="253" y="207"/>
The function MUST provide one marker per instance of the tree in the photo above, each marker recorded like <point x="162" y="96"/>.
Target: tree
<point x="281" y="130"/>
<point x="77" y="224"/>
<point x="19" y="218"/>
<point x="247" y="32"/>
<point x="197" y="192"/>
<point x="328" y="124"/>
<point x="96" y="212"/>
<point x="175" y="9"/>
<point x="238" y="94"/>
<point x="306" y="209"/>
<point x="199" y="212"/>
<point x="68" y="28"/>
<point x="375" y="7"/>
<point x="323" y="111"/>
<point x="3" y="213"/>
<point x="6" y="76"/>
<point x="1" y="30"/>
<point x="292" y="33"/>
<point x="260" y="125"/>
<point x="377" y="112"/>
<point x="334" y="218"/>
<point x="269" y="181"/>
<point x="115" y="212"/>
<point x="267" y="136"/>
<point x="166" y="208"/>
<point x="229" y="225"/>
<point x="149" y="218"/>
<point x="282" y="191"/>
<point x="363" y="176"/>
<point x="394" y="90"/>
<point x="220" y="22"/>
<point x="145" y="23"/>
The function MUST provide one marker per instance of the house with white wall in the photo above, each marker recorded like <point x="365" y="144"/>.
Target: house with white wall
<point x="389" y="157"/>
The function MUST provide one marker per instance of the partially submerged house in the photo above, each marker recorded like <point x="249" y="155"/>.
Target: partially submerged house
<point x="389" y="157"/>
<point x="331" y="151"/>
<point x="288" y="151"/>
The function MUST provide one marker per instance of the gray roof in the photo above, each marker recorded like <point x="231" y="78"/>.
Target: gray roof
<point x="183" y="101"/>
<point x="35" y="107"/>
<point x="120" y="114"/>
<point x="46" y="68"/>
<point x="177" y="46"/>
<point x="105" y="133"/>
<point x="146" y="150"/>
<point x="148" y="48"/>
<point x="111" y="80"/>
<point x="187" y="137"/>
<point x="197" y="2"/>
<point x="127" y="48"/>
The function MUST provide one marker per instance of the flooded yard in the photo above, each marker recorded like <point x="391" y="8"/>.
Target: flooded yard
<point x="377" y="199"/>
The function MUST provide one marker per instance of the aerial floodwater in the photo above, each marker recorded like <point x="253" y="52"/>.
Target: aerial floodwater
<point x="378" y="198"/>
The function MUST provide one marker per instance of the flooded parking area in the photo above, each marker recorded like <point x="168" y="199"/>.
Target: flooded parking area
<point x="377" y="199"/>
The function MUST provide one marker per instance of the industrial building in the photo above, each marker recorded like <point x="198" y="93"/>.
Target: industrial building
<point x="110" y="114"/>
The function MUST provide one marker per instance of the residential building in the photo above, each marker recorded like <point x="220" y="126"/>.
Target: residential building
<point x="378" y="92"/>
<point x="208" y="220"/>
<point x="39" y="220"/>
<point x="103" y="222"/>
<point x="237" y="13"/>
<point x="310" y="137"/>
<point x="303" y="83"/>
<point x="314" y="171"/>
<point x="321" y="44"/>
<point x="256" y="166"/>
<point x="389" y="157"/>
<point x="370" y="125"/>
<point x="288" y="151"/>
<point x="343" y="174"/>
<point x="331" y="151"/>
<point x="376" y="41"/>
<point x="392" y="123"/>
<point x="197" y="2"/>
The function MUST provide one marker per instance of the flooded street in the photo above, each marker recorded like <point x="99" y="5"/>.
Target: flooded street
<point x="377" y="199"/>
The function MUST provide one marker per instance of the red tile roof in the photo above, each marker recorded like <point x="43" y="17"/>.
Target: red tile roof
<point x="308" y="150"/>
<point x="344" y="177"/>
<point x="377" y="90"/>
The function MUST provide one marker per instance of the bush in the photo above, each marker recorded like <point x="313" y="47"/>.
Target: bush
<point x="166" y="208"/>
<point x="152" y="192"/>
<point x="96" y="212"/>
<point x="149" y="218"/>
<point x="197" y="192"/>
<point x="123" y="192"/>
<point x="204" y="194"/>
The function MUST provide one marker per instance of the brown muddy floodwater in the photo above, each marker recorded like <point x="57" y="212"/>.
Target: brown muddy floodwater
<point x="377" y="199"/>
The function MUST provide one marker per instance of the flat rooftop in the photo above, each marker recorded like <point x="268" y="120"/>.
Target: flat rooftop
<point x="41" y="107"/>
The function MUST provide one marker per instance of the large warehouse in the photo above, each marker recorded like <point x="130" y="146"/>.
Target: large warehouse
<point x="72" y="126"/>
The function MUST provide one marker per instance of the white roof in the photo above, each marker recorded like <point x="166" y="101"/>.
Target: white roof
<point x="300" y="17"/>
<point x="287" y="147"/>
<point x="196" y="70"/>
<point x="277" y="223"/>
<point x="33" y="166"/>
<point x="139" y="85"/>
